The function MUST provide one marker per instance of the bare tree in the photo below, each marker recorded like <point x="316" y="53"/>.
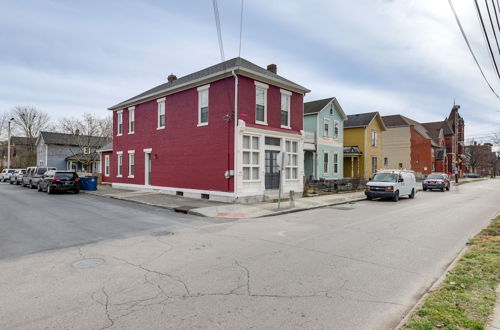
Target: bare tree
<point x="30" y="121"/>
<point x="90" y="133"/>
<point x="474" y="155"/>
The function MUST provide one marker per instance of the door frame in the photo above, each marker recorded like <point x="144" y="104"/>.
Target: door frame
<point x="147" y="165"/>
<point x="277" y="153"/>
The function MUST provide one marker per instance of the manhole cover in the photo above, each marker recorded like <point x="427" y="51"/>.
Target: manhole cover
<point x="162" y="233"/>
<point x="88" y="263"/>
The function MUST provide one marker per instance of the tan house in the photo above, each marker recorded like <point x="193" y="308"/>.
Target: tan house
<point x="363" y="144"/>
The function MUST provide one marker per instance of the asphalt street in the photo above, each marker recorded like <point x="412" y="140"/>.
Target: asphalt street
<point x="353" y="266"/>
<point x="33" y="222"/>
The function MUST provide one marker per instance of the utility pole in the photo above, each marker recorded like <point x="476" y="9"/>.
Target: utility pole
<point x="8" y="143"/>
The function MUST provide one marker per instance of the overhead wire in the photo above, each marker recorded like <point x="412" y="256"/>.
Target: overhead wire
<point x="492" y="25"/>
<point x="496" y="13"/>
<point x="480" y="17"/>
<point x="470" y="49"/>
<point x="219" y="33"/>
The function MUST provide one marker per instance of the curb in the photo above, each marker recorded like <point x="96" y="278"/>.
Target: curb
<point x="132" y="201"/>
<point x="431" y="288"/>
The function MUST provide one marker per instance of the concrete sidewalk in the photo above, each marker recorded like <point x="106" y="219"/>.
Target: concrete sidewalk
<point x="206" y="208"/>
<point x="258" y="210"/>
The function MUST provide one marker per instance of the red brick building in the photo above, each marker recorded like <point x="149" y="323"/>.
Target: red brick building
<point x="181" y="137"/>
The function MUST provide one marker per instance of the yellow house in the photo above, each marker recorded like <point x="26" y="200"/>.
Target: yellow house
<point x="363" y="144"/>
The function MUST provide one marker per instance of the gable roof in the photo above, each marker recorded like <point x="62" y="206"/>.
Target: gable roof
<point x="71" y="139"/>
<point x="314" y="107"/>
<point x="402" y="121"/>
<point x="237" y="64"/>
<point x="362" y="120"/>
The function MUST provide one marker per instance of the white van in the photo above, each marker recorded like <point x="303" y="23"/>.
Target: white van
<point x="391" y="184"/>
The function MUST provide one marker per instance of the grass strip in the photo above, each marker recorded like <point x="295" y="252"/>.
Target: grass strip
<point x="466" y="298"/>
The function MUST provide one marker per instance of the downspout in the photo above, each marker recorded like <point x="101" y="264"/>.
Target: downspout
<point x="235" y="181"/>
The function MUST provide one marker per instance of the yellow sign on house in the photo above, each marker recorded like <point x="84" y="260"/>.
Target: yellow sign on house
<point x="363" y="144"/>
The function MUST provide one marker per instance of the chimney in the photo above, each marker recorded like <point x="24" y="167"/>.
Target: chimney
<point x="273" y="68"/>
<point x="171" y="77"/>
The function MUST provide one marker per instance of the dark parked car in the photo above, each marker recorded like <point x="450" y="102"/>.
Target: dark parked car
<point x="54" y="181"/>
<point x="472" y="175"/>
<point x="34" y="175"/>
<point x="439" y="181"/>
<point x="17" y="176"/>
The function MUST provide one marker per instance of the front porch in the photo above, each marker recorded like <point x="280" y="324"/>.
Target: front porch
<point x="352" y="162"/>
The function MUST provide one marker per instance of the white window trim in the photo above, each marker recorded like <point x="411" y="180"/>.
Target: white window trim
<point x="251" y="151"/>
<point x="335" y="154"/>
<point x="119" y="120"/>
<point x="325" y="121"/>
<point x="162" y="100"/>
<point x="107" y="165"/>
<point x="289" y="94"/>
<point x="289" y="165"/>
<point x="131" y="114"/>
<point x="119" y="154"/>
<point x="327" y="163"/>
<point x="337" y="124"/>
<point x="374" y="141"/>
<point x="131" y="152"/>
<point x="265" y="87"/>
<point x="202" y="89"/>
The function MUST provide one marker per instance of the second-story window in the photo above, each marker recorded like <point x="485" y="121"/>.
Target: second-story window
<point x="161" y="113"/>
<point x="335" y="129"/>
<point x="261" y="103"/>
<point x="119" y="130"/>
<point x="326" y="127"/>
<point x="285" y="108"/>
<point x="203" y="105"/>
<point x="374" y="138"/>
<point x="131" y="120"/>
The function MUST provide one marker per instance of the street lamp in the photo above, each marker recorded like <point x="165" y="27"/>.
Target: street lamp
<point x="8" y="143"/>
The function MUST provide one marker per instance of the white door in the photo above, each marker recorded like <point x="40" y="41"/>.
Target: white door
<point x="147" y="168"/>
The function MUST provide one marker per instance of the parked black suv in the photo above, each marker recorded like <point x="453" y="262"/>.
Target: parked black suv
<point x="34" y="175"/>
<point x="54" y="181"/>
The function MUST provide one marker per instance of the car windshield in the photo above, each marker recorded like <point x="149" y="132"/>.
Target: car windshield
<point x="65" y="175"/>
<point x="435" y="176"/>
<point x="385" y="177"/>
<point x="11" y="171"/>
<point x="42" y="170"/>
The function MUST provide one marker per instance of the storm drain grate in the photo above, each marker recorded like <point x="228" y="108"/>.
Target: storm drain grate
<point x="88" y="263"/>
<point x="162" y="233"/>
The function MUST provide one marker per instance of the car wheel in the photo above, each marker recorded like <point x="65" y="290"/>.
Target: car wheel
<point x="424" y="189"/>
<point x="396" y="196"/>
<point x="39" y="188"/>
<point x="369" y="198"/>
<point x="48" y="190"/>
<point x="442" y="189"/>
<point x="76" y="191"/>
<point x="412" y="195"/>
<point x="31" y="185"/>
<point x="448" y="188"/>
<point x="11" y="182"/>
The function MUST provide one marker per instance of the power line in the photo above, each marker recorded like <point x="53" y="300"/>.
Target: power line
<point x="492" y="25"/>
<point x="241" y="27"/>
<point x="487" y="39"/>
<point x="496" y="14"/>
<point x="219" y="33"/>
<point x="470" y="49"/>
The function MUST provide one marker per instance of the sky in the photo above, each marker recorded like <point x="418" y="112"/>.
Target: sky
<point x="396" y="57"/>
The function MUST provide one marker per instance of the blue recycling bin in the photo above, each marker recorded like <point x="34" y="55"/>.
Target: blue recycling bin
<point x="89" y="183"/>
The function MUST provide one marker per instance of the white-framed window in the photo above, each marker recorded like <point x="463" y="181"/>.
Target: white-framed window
<point x="292" y="168"/>
<point x="106" y="165"/>
<point x="261" y="103"/>
<point x="161" y="113"/>
<point x="285" y="108"/>
<point x="335" y="163"/>
<point x="325" y="163"/>
<point x="251" y="158"/>
<point x="336" y="130"/>
<point x="119" y="130"/>
<point x="119" y="163"/>
<point x="374" y="138"/>
<point x="203" y="105"/>
<point x="400" y="165"/>
<point x="331" y="109"/>
<point x="40" y="162"/>
<point x="131" y="120"/>
<point x="386" y="161"/>
<point x="374" y="164"/>
<point x="131" y="163"/>
<point x="326" y="127"/>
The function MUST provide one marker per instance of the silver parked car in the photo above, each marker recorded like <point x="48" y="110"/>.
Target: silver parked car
<point x="6" y="173"/>
<point x="17" y="176"/>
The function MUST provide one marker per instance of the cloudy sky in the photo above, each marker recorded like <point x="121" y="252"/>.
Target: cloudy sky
<point x="407" y="57"/>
